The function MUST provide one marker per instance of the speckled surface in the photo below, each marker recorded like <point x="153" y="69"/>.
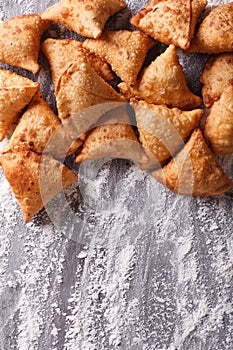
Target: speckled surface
<point x="132" y="267"/>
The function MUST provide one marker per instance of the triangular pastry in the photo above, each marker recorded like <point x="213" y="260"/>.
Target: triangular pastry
<point x="15" y="93"/>
<point x="163" y="130"/>
<point x="125" y="51"/>
<point x="197" y="6"/>
<point x="194" y="171"/>
<point x="169" y="21"/>
<point x="27" y="172"/>
<point x="20" y="41"/>
<point x="86" y="17"/>
<point x="216" y="77"/>
<point x="219" y="124"/>
<point x="215" y="33"/>
<point x="163" y="83"/>
<point x="62" y="52"/>
<point x="36" y="126"/>
<point x="112" y="138"/>
<point x="79" y="88"/>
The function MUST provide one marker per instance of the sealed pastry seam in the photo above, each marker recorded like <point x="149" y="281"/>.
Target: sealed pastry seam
<point x="113" y="138"/>
<point x="170" y="22"/>
<point x="39" y="130"/>
<point x="80" y="79"/>
<point x="124" y="50"/>
<point x="163" y="82"/>
<point x="35" y="180"/>
<point x="86" y="18"/>
<point x="20" y="41"/>
<point x="16" y="92"/>
<point x="219" y="124"/>
<point x="163" y="130"/>
<point x="61" y="53"/>
<point x="215" y="33"/>
<point x="194" y="171"/>
<point x="216" y="77"/>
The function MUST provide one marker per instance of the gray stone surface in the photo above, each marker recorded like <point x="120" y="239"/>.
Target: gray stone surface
<point x="132" y="267"/>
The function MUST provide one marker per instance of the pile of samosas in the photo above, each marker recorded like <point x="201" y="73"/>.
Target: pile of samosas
<point x="93" y="117"/>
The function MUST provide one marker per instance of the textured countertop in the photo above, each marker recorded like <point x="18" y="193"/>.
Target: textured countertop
<point x="132" y="267"/>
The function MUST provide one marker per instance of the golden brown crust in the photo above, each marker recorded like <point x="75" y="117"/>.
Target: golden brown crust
<point x="25" y="171"/>
<point x="125" y="51"/>
<point x="15" y="93"/>
<point x="113" y="138"/>
<point x="216" y="77"/>
<point x="163" y="130"/>
<point x="215" y="33"/>
<point x="219" y="124"/>
<point x="194" y="171"/>
<point x="35" y="129"/>
<point x="62" y="52"/>
<point x="20" y="41"/>
<point x="87" y="17"/>
<point x="167" y="21"/>
<point x="81" y="87"/>
<point x="171" y="22"/>
<point x="163" y="83"/>
<point x="197" y="6"/>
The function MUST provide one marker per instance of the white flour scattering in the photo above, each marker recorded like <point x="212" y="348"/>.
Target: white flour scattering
<point x="214" y="3"/>
<point x="153" y="270"/>
<point x="8" y="211"/>
<point x="136" y="6"/>
<point x="98" y="304"/>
